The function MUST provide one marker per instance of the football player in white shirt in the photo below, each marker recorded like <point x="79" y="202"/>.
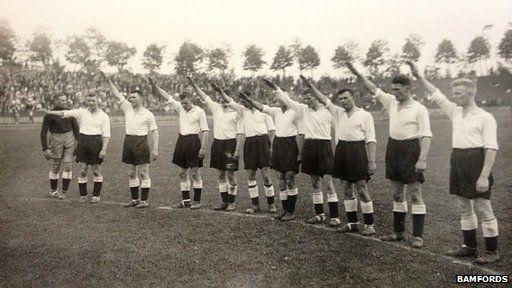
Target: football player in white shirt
<point x="259" y="134"/>
<point x="406" y="154"/>
<point x="190" y="147"/>
<point x="474" y="150"/>
<point x="317" y="156"/>
<point x="354" y="159"/>
<point x="285" y="154"/>
<point x="92" y="143"/>
<point x="140" y="123"/>
<point x="228" y="137"/>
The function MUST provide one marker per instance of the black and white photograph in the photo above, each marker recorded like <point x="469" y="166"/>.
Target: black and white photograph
<point x="255" y="143"/>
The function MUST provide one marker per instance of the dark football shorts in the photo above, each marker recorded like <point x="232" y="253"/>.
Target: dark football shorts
<point x="351" y="161"/>
<point x="186" y="151"/>
<point x="401" y="159"/>
<point x="466" y="166"/>
<point x="88" y="149"/>
<point x="257" y="152"/>
<point x="221" y="154"/>
<point x="136" y="150"/>
<point x="317" y="158"/>
<point x="284" y="154"/>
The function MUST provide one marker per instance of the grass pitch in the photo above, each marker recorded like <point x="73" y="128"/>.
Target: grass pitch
<point x="52" y="243"/>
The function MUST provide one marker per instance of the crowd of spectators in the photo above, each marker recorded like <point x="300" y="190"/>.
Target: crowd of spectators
<point x="24" y="90"/>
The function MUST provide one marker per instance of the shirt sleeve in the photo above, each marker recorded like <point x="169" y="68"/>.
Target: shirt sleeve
<point x="423" y="122"/>
<point x="269" y="110"/>
<point x="283" y="96"/>
<point x="333" y="108"/>
<point x="240" y="129"/>
<point x="175" y="105"/>
<point x="76" y="113"/>
<point x="212" y="105"/>
<point x="124" y="104"/>
<point x="442" y="101"/>
<point x="369" y="128"/>
<point x="269" y="122"/>
<point x="490" y="132"/>
<point x="105" y="129"/>
<point x="151" y="122"/>
<point x="384" y="98"/>
<point x="203" y="124"/>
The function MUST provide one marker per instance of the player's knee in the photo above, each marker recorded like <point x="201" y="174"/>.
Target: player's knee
<point x="144" y="175"/>
<point x="221" y="176"/>
<point x="183" y="175"/>
<point x="484" y="208"/>
<point x="66" y="167"/>
<point x="398" y="197"/>
<point x="83" y="173"/>
<point x="267" y="180"/>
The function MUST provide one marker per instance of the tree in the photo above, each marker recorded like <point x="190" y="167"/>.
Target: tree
<point x="152" y="58"/>
<point x="411" y="48"/>
<point x="218" y="59"/>
<point x="393" y="66"/>
<point x="78" y="51"/>
<point x="7" y="42"/>
<point x="118" y="53"/>
<point x="446" y="54"/>
<point x="375" y="56"/>
<point x="187" y="58"/>
<point x="505" y="47"/>
<point x="478" y="50"/>
<point x="282" y="60"/>
<point x="348" y="52"/>
<point x="253" y="58"/>
<point x="308" y="59"/>
<point x="41" y="49"/>
<point x="97" y="44"/>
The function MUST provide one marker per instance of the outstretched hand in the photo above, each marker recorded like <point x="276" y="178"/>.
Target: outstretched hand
<point x="351" y="67"/>
<point x="243" y="95"/>
<point x="191" y="81"/>
<point x="269" y="83"/>
<point x="104" y="76"/>
<point x="414" y="69"/>
<point x="216" y="87"/>
<point x="305" y="81"/>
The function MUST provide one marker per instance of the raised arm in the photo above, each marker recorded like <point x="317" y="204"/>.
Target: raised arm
<point x="435" y="94"/>
<point x="237" y="107"/>
<point x="162" y="93"/>
<point x="113" y="87"/>
<point x="372" y="88"/>
<point x="319" y="95"/>
<point x="253" y="102"/>
<point x="282" y="96"/>
<point x="198" y="90"/>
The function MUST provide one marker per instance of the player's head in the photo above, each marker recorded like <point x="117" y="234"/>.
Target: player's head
<point x="222" y="101"/>
<point x="244" y="102"/>
<point x="91" y="100"/>
<point x="186" y="100"/>
<point x="345" y="97"/>
<point x="135" y="97"/>
<point x="401" y="87"/>
<point x="310" y="99"/>
<point x="60" y="101"/>
<point x="463" y="90"/>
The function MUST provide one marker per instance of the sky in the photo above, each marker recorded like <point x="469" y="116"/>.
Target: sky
<point x="324" y="24"/>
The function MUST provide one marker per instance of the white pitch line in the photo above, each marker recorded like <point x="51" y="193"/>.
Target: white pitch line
<point x="322" y="227"/>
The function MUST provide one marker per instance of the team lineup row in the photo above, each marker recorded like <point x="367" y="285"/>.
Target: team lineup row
<point x="291" y="136"/>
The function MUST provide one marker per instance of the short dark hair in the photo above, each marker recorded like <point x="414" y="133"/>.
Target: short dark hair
<point x="136" y="91"/>
<point x="91" y="94"/>
<point x="341" y="91"/>
<point x="58" y="96"/>
<point x="185" y="95"/>
<point x="402" y="80"/>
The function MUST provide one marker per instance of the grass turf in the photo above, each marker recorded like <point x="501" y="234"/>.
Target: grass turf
<point x="51" y="243"/>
